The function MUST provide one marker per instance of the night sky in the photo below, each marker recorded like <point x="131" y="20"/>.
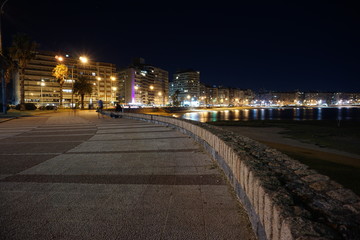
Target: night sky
<point x="261" y="45"/>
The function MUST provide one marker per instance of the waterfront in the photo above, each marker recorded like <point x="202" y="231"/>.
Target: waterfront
<point x="247" y="114"/>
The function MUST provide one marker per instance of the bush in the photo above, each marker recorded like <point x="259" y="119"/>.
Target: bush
<point x="28" y="106"/>
<point x="7" y="107"/>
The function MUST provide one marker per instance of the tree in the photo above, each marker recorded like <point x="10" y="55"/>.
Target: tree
<point x="175" y="98"/>
<point x="60" y="72"/>
<point x="7" y="67"/>
<point x="22" y="50"/>
<point x="82" y="86"/>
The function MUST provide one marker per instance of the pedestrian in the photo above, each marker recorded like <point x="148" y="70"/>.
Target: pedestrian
<point x="118" y="108"/>
<point x="100" y="108"/>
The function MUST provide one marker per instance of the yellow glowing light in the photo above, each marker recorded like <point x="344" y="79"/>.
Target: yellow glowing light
<point x="159" y="93"/>
<point x="59" y="58"/>
<point x="83" y="59"/>
<point x="112" y="78"/>
<point x="151" y="87"/>
<point x="98" y="78"/>
<point x="114" y="88"/>
<point x="136" y="87"/>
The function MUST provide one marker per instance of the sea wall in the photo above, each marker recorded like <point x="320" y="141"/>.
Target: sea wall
<point x="283" y="198"/>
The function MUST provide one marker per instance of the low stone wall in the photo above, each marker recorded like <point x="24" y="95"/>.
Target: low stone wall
<point x="284" y="198"/>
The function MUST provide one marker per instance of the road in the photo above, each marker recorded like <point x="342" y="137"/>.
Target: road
<point x="70" y="175"/>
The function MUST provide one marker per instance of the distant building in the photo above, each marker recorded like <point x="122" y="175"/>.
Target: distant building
<point x="212" y="94"/>
<point x="144" y="84"/>
<point x="237" y="97"/>
<point x="279" y="98"/>
<point x="42" y="89"/>
<point x="319" y="98"/>
<point x="187" y="82"/>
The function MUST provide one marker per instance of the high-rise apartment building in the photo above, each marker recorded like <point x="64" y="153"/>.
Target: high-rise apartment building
<point x="42" y="89"/>
<point x="187" y="82"/>
<point x="144" y="84"/>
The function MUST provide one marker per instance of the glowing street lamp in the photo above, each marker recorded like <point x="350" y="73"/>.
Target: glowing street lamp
<point x="83" y="59"/>
<point x="98" y="86"/>
<point x="112" y="78"/>
<point x="61" y="59"/>
<point x="42" y="84"/>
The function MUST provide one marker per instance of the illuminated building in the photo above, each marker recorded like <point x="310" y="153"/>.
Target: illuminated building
<point x="187" y="82"/>
<point x="144" y="84"/>
<point x="42" y="89"/>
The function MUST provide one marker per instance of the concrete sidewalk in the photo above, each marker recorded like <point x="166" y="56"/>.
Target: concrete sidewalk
<point x="74" y="176"/>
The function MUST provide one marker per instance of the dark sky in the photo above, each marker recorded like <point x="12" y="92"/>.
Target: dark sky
<point x="272" y="45"/>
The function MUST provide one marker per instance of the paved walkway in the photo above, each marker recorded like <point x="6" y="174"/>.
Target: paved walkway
<point x="74" y="176"/>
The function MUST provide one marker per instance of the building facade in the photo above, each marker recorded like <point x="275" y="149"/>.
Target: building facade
<point x="144" y="84"/>
<point x="43" y="89"/>
<point x="187" y="83"/>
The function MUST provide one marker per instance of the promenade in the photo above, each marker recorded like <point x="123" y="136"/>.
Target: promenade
<point x="68" y="175"/>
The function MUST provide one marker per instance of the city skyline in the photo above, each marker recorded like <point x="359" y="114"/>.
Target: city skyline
<point x="272" y="46"/>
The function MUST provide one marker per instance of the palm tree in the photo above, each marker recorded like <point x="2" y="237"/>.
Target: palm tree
<point x="7" y="66"/>
<point x="22" y="51"/>
<point x="82" y="86"/>
<point x="60" y="72"/>
<point x="175" y="98"/>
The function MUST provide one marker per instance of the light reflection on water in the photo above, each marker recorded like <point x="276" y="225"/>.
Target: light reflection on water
<point x="349" y="113"/>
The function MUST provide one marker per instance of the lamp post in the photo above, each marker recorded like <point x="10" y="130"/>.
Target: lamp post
<point x="98" y="87"/>
<point x="61" y="59"/>
<point x="152" y="94"/>
<point x="112" y="78"/>
<point x="160" y="97"/>
<point x="83" y="60"/>
<point x="42" y="84"/>
<point x="114" y="89"/>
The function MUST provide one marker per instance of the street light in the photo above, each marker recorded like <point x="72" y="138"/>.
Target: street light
<point x="160" y="96"/>
<point x="98" y="89"/>
<point x="61" y="59"/>
<point x="112" y="78"/>
<point x="83" y="60"/>
<point x="42" y="84"/>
